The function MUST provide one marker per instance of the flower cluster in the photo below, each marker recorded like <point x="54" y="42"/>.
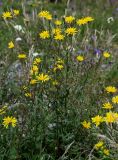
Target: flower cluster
<point x="100" y="146"/>
<point x="45" y="14"/>
<point x="58" y="33"/>
<point x="8" y="15"/>
<point x="110" y="116"/>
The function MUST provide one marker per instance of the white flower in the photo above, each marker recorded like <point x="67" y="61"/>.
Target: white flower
<point x="18" y="39"/>
<point x="51" y="125"/>
<point x="35" y="54"/>
<point x="19" y="28"/>
<point x="110" y="19"/>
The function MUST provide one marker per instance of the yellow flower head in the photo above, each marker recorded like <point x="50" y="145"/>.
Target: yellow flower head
<point x="97" y="120"/>
<point x="56" y="31"/>
<point x="83" y="21"/>
<point x="69" y="19"/>
<point x="45" y="14"/>
<point x="89" y="19"/>
<point x="58" y="67"/>
<point x="115" y="99"/>
<point x="106" y="54"/>
<point x="33" y="81"/>
<point x="58" y="22"/>
<point x="49" y="17"/>
<point x="99" y="145"/>
<point x="25" y="87"/>
<point x="6" y="15"/>
<point x="107" y="105"/>
<point x="55" y="82"/>
<point x="35" y="68"/>
<point x="80" y="58"/>
<point x="11" y="45"/>
<point x="111" y="89"/>
<point x="37" y="61"/>
<point x="28" y="94"/>
<point x="43" y="77"/>
<point x="86" y="125"/>
<point x="59" y="37"/>
<point x="9" y="120"/>
<point x="110" y="117"/>
<point x="60" y="61"/>
<point x="22" y="56"/>
<point x="116" y="117"/>
<point x="71" y="31"/>
<point x="16" y="12"/>
<point x="106" y="152"/>
<point x="44" y="35"/>
<point x="3" y="110"/>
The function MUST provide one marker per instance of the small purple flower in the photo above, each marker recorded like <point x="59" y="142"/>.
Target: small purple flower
<point x="1" y="3"/>
<point x="94" y="37"/>
<point x="97" y="51"/>
<point x="117" y="9"/>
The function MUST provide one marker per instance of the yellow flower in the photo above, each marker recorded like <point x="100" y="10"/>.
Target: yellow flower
<point x="37" y="61"/>
<point x="6" y="15"/>
<point x="16" y="12"/>
<point x="69" y="19"/>
<point x="22" y="56"/>
<point x="71" y="31"/>
<point x="45" y="14"/>
<point x="58" y="22"/>
<point x="10" y="45"/>
<point x="28" y="94"/>
<point x="43" y="77"/>
<point x="3" y="110"/>
<point x="97" y="120"/>
<point x="49" y="17"/>
<point x="58" y="67"/>
<point x="116" y="117"/>
<point x="35" y="68"/>
<point x="89" y="19"/>
<point x="13" y="121"/>
<point x="107" y="105"/>
<point x="110" y="118"/>
<point x="33" y="72"/>
<point x="59" y="37"/>
<point x="44" y="35"/>
<point x="25" y="87"/>
<point x="86" y="125"/>
<point x="106" y="54"/>
<point x="33" y="81"/>
<point x="115" y="99"/>
<point x="106" y="152"/>
<point x="99" y="145"/>
<point x="56" y="31"/>
<point x="9" y="120"/>
<point x="83" y="21"/>
<point x="55" y="83"/>
<point x="80" y="58"/>
<point x="60" y="61"/>
<point x="111" y="89"/>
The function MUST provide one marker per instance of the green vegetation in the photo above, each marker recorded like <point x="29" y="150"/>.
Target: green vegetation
<point x="58" y="80"/>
